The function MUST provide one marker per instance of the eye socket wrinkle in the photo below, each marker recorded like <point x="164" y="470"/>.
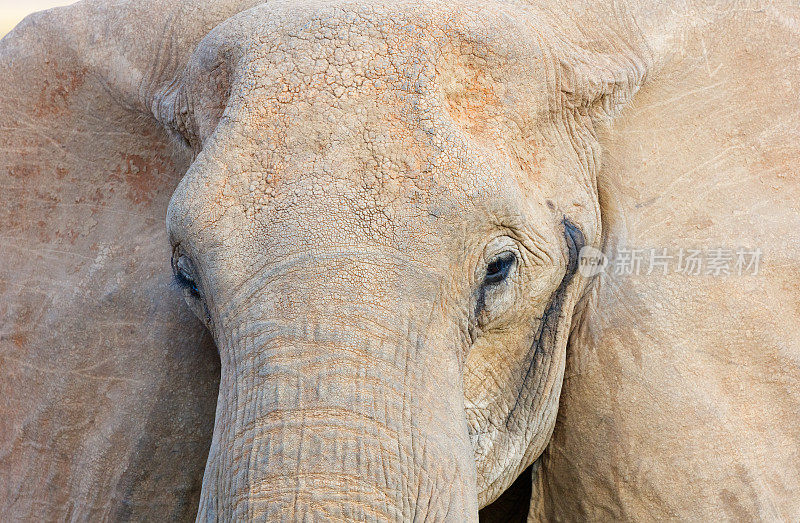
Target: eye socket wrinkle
<point x="548" y="328"/>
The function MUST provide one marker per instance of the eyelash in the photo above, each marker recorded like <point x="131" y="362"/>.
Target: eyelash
<point x="183" y="282"/>
<point x="499" y="269"/>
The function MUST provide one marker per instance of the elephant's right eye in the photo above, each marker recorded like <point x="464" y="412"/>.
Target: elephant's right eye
<point x="184" y="276"/>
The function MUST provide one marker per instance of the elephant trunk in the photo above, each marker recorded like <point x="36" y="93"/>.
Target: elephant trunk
<point x="337" y="422"/>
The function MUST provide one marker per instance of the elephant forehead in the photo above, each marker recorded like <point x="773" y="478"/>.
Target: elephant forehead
<point x="389" y="98"/>
<point x="386" y="112"/>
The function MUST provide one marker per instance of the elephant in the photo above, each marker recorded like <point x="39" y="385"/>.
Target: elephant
<point x="327" y="259"/>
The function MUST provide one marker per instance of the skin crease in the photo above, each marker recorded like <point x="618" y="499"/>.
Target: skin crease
<point x="338" y="179"/>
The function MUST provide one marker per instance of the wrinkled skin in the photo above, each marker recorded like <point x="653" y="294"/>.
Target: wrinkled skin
<point x="376" y="212"/>
<point x="338" y="225"/>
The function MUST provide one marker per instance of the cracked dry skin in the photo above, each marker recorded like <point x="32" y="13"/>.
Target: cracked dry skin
<point x="374" y="211"/>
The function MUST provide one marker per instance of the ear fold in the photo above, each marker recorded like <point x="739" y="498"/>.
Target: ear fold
<point x="599" y="84"/>
<point x="603" y="57"/>
<point x="108" y="383"/>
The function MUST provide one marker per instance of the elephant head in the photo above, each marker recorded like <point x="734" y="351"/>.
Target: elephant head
<point x="379" y="224"/>
<point x="381" y="229"/>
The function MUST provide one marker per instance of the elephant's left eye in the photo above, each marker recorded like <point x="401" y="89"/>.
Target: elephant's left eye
<point x="184" y="276"/>
<point x="499" y="268"/>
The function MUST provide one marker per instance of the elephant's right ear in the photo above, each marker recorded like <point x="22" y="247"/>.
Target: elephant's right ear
<point x="108" y="384"/>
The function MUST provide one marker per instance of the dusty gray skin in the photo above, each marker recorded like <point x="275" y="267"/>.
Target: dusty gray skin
<point x="377" y="217"/>
<point x="361" y="228"/>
